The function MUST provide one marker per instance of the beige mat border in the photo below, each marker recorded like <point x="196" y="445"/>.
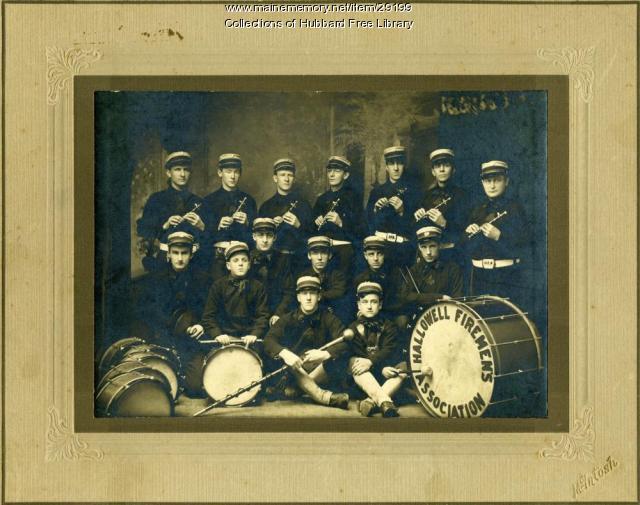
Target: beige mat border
<point x="45" y="460"/>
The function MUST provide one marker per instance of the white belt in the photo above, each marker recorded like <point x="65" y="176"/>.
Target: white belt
<point x="489" y="264"/>
<point x="340" y="242"/>
<point x="391" y="237"/>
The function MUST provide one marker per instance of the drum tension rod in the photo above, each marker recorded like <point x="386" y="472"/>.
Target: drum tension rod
<point x="504" y="317"/>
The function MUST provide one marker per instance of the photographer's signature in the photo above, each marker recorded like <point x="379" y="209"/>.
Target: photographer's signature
<point x="588" y="480"/>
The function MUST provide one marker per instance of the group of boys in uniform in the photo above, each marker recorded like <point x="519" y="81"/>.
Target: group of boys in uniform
<point x="289" y="278"/>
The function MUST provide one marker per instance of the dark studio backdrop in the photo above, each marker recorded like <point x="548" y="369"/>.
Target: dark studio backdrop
<point x="135" y="130"/>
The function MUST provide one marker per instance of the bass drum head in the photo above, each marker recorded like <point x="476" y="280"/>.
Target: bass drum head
<point x="134" y="394"/>
<point x="160" y="363"/>
<point x="458" y="359"/>
<point x="228" y="369"/>
<point x="115" y="351"/>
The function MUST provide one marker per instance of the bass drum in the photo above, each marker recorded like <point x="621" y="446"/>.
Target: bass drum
<point x="164" y="360"/>
<point x="115" y="352"/>
<point x="133" y="394"/>
<point x="131" y="366"/>
<point x="228" y="369"/>
<point x="476" y="356"/>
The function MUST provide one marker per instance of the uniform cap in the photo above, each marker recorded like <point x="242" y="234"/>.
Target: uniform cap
<point x="284" y="164"/>
<point x="264" y="224"/>
<point x="374" y="242"/>
<point x="493" y="167"/>
<point x="235" y="248"/>
<point x="230" y="160"/>
<point x="441" y="154"/>
<point x="394" y="152"/>
<point x="367" y="288"/>
<point x="178" y="159"/>
<point x="318" y="242"/>
<point x="180" y="238"/>
<point x="428" y="233"/>
<point x="308" y="282"/>
<point x="339" y="162"/>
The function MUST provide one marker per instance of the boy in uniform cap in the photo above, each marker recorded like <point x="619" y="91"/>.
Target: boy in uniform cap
<point x="430" y="278"/>
<point x="379" y="271"/>
<point x="296" y="339"/>
<point x="332" y="279"/>
<point x="292" y="213"/>
<point x="445" y="203"/>
<point x="391" y="206"/>
<point x="237" y="304"/>
<point x="496" y="237"/>
<point x="173" y="209"/>
<point x="338" y="213"/>
<point x="229" y="213"/>
<point x="173" y="302"/>
<point x="272" y="269"/>
<point x="374" y="352"/>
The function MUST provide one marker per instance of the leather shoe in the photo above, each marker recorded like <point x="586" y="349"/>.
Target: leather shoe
<point x="388" y="409"/>
<point x="367" y="407"/>
<point x="339" y="400"/>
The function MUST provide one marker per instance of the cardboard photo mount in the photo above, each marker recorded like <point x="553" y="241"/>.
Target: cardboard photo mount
<point x="587" y="450"/>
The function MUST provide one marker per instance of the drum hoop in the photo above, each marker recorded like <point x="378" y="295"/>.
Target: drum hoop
<point x="101" y="363"/>
<point x="530" y="325"/>
<point x="139" y="356"/>
<point x="213" y="352"/>
<point x="139" y="367"/>
<point x="125" y="387"/>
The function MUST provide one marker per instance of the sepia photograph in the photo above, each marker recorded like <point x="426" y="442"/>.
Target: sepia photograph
<point x="321" y="254"/>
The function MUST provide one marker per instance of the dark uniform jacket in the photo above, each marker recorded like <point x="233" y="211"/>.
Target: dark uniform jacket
<point x="273" y="270"/>
<point x="223" y="203"/>
<point x="236" y="307"/>
<point x="289" y="238"/>
<point x="386" y="219"/>
<point x="433" y="280"/>
<point x="377" y="340"/>
<point x="170" y="294"/>
<point x="161" y="206"/>
<point x="391" y="282"/>
<point x="299" y="332"/>
<point x="455" y="210"/>
<point x="333" y="282"/>
<point x="348" y="208"/>
<point x="512" y="228"/>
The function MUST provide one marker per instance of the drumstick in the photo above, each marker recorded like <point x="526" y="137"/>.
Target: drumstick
<point x="346" y="335"/>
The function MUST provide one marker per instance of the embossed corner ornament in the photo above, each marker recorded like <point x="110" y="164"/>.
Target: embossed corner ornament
<point x="577" y="444"/>
<point x="577" y="64"/>
<point x="62" y="65"/>
<point x="62" y="443"/>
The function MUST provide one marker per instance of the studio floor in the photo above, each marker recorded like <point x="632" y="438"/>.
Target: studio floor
<point x="305" y="408"/>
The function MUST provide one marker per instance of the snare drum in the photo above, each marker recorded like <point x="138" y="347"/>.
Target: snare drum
<point x="115" y="352"/>
<point x="134" y="394"/>
<point x="479" y="356"/>
<point x="162" y="359"/>
<point x="228" y="369"/>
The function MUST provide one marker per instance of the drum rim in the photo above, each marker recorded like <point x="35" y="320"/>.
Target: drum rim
<point x="138" y="378"/>
<point x="101" y="363"/>
<point x="217" y="350"/>
<point x="177" y="370"/>
<point x="140" y="366"/>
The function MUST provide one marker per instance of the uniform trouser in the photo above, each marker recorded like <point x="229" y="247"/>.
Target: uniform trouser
<point x="308" y="382"/>
<point x="370" y="385"/>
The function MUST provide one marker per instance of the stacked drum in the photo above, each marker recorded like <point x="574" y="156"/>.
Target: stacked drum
<point x="137" y="379"/>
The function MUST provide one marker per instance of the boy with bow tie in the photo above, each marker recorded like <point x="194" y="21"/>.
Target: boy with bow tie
<point x="374" y="353"/>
